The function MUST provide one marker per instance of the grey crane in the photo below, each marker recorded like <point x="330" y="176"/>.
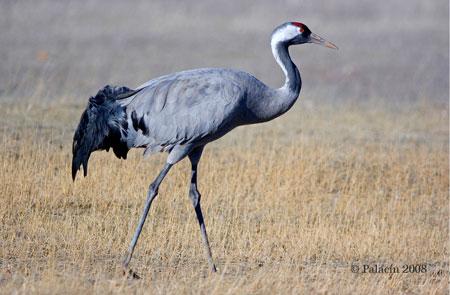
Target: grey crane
<point x="180" y="113"/>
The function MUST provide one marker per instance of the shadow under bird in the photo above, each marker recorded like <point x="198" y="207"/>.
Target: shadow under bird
<point x="182" y="112"/>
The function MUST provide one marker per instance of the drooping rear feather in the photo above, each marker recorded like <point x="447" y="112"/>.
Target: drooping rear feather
<point x="102" y="126"/>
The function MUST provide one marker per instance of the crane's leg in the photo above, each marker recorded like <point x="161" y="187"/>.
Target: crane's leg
<point x="195" y="196"/>
<point x="152" y="193"/>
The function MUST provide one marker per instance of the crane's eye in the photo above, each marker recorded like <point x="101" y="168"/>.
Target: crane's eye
<point x="300" y="26"/>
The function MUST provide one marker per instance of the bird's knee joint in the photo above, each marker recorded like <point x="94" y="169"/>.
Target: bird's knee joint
<point x="195" y="196"/>
<point x="152" y="190"/>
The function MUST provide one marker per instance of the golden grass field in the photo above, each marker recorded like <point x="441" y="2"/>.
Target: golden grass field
<point x="357" y="173"/>
<point x="290" y="206"/>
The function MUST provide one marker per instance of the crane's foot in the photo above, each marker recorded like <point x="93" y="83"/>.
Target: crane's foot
<point x="213" y="268"/>
<point x="126" y="271"/>
<point x="130" y="274"/>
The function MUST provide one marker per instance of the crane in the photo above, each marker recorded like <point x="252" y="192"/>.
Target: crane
<point x="181" y="112"/>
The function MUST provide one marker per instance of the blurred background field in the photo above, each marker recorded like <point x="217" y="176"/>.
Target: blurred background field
<point x="66" y="50"/>
<point x="357" y="172"/>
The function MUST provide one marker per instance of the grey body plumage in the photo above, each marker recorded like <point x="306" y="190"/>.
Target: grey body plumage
<point x="180" y="113"/>
<point x="189" y="109"/>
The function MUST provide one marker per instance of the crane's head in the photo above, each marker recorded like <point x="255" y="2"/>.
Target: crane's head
<point x="293" y="33"/>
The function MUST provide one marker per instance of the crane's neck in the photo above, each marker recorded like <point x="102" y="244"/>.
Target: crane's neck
<point x="271" y="103"/>
<point x="275" y="102"/>
<point x="293" y="82"/>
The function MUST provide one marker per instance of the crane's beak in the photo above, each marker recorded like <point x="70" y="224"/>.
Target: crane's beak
<point x="316" y="39"/>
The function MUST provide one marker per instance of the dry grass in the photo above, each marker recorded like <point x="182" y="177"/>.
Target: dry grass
<point x="344" y="186"/>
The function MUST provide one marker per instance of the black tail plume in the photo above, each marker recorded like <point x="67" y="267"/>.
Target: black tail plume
<point x="102" y="125"/>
